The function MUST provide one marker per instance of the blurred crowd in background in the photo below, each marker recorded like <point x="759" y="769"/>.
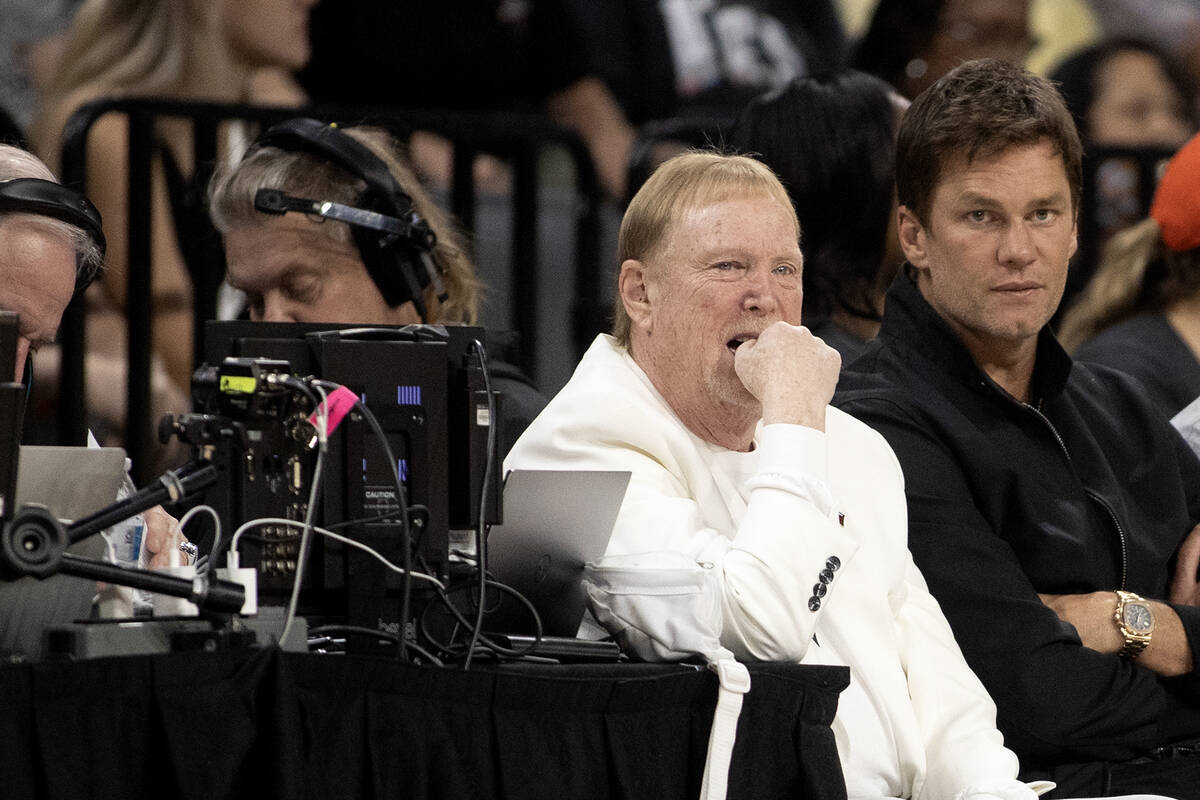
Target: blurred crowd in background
<point x="815" y="88"/>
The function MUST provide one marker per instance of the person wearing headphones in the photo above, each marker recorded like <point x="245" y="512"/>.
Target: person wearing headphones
<point x="329" y="224"/>
<point x="51" y="247"/>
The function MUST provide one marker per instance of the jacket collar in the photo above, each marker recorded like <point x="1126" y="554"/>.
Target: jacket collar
<point x="912" y="325"/>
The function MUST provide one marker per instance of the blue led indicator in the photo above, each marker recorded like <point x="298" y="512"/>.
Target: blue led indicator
<point x="408" y="395"/>
<point x="402" y="468"/>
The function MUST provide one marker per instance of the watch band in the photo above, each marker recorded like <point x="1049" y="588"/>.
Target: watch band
<point x="1135" y="640"/>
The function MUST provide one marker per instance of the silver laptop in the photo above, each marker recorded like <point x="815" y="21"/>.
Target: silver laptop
<point x="555" y="521"/>
<point x="72" y="482"/>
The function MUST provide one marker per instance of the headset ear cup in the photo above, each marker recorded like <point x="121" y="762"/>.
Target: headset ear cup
<point x="393" y="268"/>
<point x="408" y="271"/>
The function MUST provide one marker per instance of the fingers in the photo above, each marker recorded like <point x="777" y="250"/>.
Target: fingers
<point x="158" y="529"/>
<point x="1185" y="588"/>
<point x="784" y="348"/>
<point x="791" y="372"/>
<point x="161" y="560"/>
<point x="163" y="538"/>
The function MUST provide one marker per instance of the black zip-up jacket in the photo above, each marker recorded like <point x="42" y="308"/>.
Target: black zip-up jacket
<point x="1086" y="488"/>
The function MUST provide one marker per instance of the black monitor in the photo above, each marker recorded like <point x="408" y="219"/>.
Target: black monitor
<point x="425" y="387"/>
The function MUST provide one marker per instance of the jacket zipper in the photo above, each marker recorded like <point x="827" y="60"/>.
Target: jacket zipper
<point x="1046" y="420"/>
<point x="1095" y="497"/>
<point x="1120" y="532"/>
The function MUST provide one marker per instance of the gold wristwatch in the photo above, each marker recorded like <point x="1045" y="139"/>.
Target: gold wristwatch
<point x="1135" y="619"/>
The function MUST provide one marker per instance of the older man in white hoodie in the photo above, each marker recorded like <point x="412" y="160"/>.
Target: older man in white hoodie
<point x="716" y="399"/>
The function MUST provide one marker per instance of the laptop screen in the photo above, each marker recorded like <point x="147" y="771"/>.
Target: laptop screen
<point x="72" y="482"/>
<point x="555" y="521"/>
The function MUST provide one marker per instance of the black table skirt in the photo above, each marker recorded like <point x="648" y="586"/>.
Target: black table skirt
<point x="268" y="724"/>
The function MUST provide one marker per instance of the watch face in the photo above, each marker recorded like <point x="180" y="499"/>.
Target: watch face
<point x="1138" y="617"/>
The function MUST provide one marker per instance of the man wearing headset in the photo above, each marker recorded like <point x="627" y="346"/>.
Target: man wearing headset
<point x="44" y="255"/>
<point x="51" y="246"/>
<point x="364" y="245"/>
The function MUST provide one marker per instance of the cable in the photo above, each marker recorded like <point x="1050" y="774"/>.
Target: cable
<point x="302" y="555"/>
<point x="449" y="649"/>
<point x="482" y="638"/>
<point x="421" y="511"/>
<point x="308" y="527"/>
<point x="254" y="537"/>
<point x="388" y="514"/>
<point x="402" y="497"/>
<point x="322" y="415"/>
<point x="377" y="634"/>
<point x="302" y="386"/>
<point x="415" y="509"/>
<point x="336" y="537"/>
<point x="383" y="515"/>
<point x="202" y="568"/>
<point x="321" y="420"/>
<point x="480" y="539"/>
<point x="335" y="526"/>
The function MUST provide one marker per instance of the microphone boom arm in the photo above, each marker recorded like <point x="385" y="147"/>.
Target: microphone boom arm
<point x="34" y="543"/>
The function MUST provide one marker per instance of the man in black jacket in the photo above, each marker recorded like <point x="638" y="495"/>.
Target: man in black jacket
<point x="1051" y="508"/>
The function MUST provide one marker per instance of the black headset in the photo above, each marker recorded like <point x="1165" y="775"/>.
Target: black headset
<point x="50" y="199"/>
<point x="395" y="242"/>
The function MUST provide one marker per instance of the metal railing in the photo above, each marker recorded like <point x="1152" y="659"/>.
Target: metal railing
<point x="519" y="139"/>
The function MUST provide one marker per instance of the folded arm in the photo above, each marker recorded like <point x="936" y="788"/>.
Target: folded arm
<point x="1055" y="696"/>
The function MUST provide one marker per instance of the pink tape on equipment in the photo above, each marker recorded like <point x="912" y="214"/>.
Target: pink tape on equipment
<point x="339" y="402"/>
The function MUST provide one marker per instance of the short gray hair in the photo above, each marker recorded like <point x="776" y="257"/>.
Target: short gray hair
<point x="17" y="163"/>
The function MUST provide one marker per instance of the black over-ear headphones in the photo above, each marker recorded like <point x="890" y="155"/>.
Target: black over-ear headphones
<point x="395" y="243"/>
<point x="50" y="199"/>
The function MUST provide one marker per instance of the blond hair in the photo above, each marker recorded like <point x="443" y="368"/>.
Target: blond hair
<point x="306" y="174"/>
<point x="120" y="47"/>
<point x="1118" y="290"/>
<point x="679" y="185"/>
<point x="135" y="45"/>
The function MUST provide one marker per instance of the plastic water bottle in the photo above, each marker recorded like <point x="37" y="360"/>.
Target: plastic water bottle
<point x="127" y="547"/>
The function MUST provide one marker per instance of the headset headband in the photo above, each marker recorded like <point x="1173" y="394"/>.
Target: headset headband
<point x="50" y="199"/>
<point x="319" y="138"/>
